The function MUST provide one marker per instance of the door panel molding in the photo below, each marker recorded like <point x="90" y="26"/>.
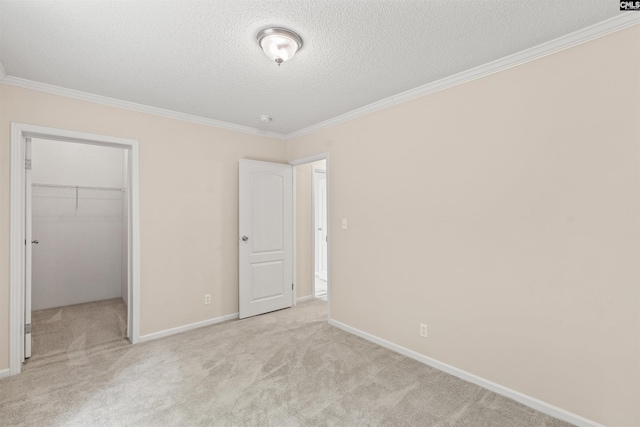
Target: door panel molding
<point x="265" y="226"/>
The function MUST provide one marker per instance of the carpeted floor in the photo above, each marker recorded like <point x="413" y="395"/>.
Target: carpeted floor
<point x="287" y="368"/>
<point x="59" y="333"/>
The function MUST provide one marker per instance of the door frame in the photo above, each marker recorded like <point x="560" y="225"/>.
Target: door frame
<point x="298" y="162"/>
<point x="17" y="224"/>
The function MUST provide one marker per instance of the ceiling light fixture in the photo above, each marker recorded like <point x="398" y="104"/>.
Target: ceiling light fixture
<point x="264" y="118"/>
<point x="279" y="44"/>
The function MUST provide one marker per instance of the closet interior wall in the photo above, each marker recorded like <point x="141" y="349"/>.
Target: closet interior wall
<point x="79" y="219"/>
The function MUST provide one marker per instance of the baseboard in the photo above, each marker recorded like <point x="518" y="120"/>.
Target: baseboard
<point x="185" y="328"/>
<point x="307" y="298"/>
<point x="5" y="373"/>
<point x="529" y="401"/>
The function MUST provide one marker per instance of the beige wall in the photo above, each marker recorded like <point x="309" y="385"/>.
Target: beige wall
<point x="504" y="214"/>
<point x="304" y="228"/>
<point x="188" y="203"/>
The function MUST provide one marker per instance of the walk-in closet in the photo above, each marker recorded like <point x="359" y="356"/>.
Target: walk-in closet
<point x="79" y="217"/>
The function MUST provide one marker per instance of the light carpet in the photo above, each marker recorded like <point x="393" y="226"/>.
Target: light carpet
<point x="287" y="368"/>
<point x="57" y="333"/>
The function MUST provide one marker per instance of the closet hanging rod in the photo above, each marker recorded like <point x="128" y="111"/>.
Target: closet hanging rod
<point x="81" y="187"/>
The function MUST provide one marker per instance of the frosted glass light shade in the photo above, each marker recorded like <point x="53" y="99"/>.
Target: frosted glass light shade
<point x="279" y="44"/>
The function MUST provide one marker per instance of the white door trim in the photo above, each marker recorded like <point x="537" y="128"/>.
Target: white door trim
<point x="19" y="132"/>
<point x="294" y="222"/>
<point x="298" y="162"/>
<point x="28" y="236"/>
<point x="310" y="159"/>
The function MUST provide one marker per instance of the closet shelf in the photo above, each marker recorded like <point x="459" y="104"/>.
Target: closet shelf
<point x="81" y="187"/>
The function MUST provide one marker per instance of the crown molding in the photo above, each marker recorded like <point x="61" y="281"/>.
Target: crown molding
<point x="624" y="20"/>
<point x="584" y="35"/>
<point x="132" y="106"/>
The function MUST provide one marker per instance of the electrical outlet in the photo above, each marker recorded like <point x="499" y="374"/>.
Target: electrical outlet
<point x="423" y="330"/>
<point x="207" y="299"/>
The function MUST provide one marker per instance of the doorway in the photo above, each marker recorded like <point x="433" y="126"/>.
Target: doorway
<point x="321" y="253"/>
<point x="312" y="229"/>
<point x="78" y="213"/>
<point x="273" y="250"/>
<point x="21" y="230"/>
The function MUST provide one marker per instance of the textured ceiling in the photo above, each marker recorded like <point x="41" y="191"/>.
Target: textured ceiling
<point x="201" y="57"/>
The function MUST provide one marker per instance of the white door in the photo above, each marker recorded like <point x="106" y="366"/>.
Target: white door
<point x="321" y="224"/>
<point x="266" y="237"/>
<point x="28" y="259"/>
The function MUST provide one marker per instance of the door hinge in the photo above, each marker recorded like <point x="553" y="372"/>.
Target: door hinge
<point x="27" y="328"/>
<point x="292" y="286"/>
<point x="27" y="164"/>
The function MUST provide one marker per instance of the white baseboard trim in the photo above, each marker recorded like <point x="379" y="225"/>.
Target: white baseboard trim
<point x="185" y="328"/>
<point x="529" y="401"/>
<point x="307" y="298"/>
<point x="5" y="373"/>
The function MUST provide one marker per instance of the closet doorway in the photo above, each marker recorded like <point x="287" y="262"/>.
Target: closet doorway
<point x="65" y="200"/>
<point x="79" y="248"/>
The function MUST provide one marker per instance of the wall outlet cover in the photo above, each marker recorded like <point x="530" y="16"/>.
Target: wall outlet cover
<point x="423" y="330"/>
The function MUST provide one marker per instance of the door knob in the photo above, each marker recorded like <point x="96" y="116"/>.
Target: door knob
<point x="245" y="238"/>
<point x="35" y="242"/>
